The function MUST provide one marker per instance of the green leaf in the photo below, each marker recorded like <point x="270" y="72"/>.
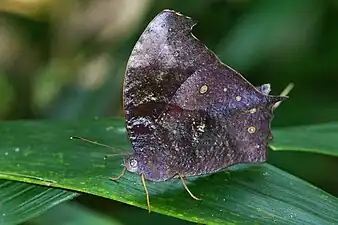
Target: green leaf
<point x="73" y="214"/>
<point x="244" y="194"/>
<point x="322" y="138"/>
<point x="21" y="201"/>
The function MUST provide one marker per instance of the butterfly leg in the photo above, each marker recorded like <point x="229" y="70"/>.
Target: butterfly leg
<point x="187" y="189"/>
<point x="119" y="176"/>
<point x="146" y="190"/>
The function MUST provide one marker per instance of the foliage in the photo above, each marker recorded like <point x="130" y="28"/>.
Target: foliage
<point x="66" y="59"/>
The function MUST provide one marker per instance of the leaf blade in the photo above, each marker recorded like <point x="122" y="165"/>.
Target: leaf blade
<point x="22" y="201"/>
<point x="257" y="193"/>
<point x="321" y="138"/>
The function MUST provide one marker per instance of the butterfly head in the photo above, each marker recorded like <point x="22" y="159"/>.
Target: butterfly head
<point x="131" y="163"/>
<point x="150" y="169"/>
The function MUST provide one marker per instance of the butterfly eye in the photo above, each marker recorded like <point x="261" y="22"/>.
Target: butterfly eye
<point x="133" y="163"/>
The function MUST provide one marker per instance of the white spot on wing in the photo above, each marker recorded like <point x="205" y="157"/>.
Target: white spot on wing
<point x="201" y="127"/>
<point x="141" y="121"/>
<point x="253" y="110"/>
<point x="203" y="89"/>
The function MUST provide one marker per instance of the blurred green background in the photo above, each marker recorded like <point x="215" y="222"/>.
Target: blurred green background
<point x="66" y="60"/>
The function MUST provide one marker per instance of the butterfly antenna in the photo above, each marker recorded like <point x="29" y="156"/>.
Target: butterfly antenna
<point x="285" y="92"/>
<point x="100" y="144"/>
<point x="92" y="142"/>
<point x="112" y="155"/>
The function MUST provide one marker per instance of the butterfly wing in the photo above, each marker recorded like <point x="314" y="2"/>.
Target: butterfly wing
<point x="156" y="68"/>
<point x="162" y="59"/>
<point x="202" y="143"/>
<point x="179" y="98"/>
<point x="158" y="65"/>
<point x="236" y="124"/>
